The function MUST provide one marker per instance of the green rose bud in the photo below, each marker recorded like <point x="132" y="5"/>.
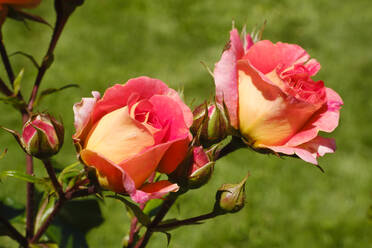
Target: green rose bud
<point x="230" y="198"/>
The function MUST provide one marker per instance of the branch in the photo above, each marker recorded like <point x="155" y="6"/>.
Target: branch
<point x="14" y="233"/>
<point x="47" y="60"/>
<point x="4" y="89"/>
<point x="167" y="204"/>
<point x="30" y="204"/>
<point x="52" y="175"/>
<point x="184" y="222"/>
<point x="5" y="58"/>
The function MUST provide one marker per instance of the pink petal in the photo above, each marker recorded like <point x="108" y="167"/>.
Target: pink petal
<point x="82" y="112"/>
<point x="266" y="56"/>
<point x="153" y="191"/>
<point x="226" y="76"/>
<point x="309" y="151"/>
<point x="118" y="95"/>
<point x="175" y="154"/>
<point x="326" y="119"/>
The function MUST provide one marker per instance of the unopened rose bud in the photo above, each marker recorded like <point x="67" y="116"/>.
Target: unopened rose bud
<point x="211" y="124"/>
<point x="230" y="198"/>
<point x="202" y="169"/>
<point x="42" y="136"/>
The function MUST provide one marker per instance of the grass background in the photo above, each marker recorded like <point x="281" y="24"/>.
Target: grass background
<point x="289" y="202"/>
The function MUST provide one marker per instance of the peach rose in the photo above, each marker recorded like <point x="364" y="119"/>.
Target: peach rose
<point x="272" y="99"/>
<point x="135" y="130"/>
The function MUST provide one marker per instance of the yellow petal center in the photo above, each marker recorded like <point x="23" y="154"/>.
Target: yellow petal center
<point x="117" y="136"/>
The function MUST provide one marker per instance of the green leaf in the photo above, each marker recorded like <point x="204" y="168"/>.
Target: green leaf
<point x="46" y="207"/>
<point x="2" y="155"/>
<point x="30" y="57"/>
<point x="44" y="245"/>
<point x="24" y="177"/>
<point x="14" y="101"/>
<point x="152" y="207"/>
<point x="141" y="216"/>
<point x="49" y="91"/>
<point x="169" y="236"/>
<point x="70" y="168"/>
<point x="17" y="82"/>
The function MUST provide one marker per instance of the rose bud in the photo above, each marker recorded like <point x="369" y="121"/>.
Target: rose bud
<point x="201" y="170"/>
<point x="210" y="124"/>
<point x="42" y="136"/>
<point x="230" y="198"/>
<point x="15" y="4"/>
<point x="272" y="99"/>
<point x="132" y="132"/>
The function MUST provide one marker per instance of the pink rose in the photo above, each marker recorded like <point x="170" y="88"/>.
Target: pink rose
<point x="272" y="99"/>
<point x="135" y="130"/>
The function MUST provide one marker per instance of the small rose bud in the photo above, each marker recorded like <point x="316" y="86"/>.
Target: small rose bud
<point x="201" y="170"/>
<point x="211" y="124"/>
<point x="42" y="136"/>
<point x="230" y="197"/>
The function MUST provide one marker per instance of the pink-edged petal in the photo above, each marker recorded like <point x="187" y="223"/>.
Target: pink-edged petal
<point x="153" y="191"/>
<point x="141" y="166"/>
<point x="266" y="56"/>
<point x="200" y="158"/>
<point x="174" y="116"/>
<point x="83" y="111"/>
<point x="109" y="172"/>
<point x="187" y="114"/>
<point x="309" y="151"/>
<point x="312" y="66"/>
<point x="118" y="95"/>
<point x="226" y="76"/>
<point x="174" y="155"/>
<point x="326" y="119"/>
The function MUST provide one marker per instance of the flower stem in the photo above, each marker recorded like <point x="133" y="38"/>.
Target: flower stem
<point x="30" y="201"/>
<point x="5" y="58"/>
<point x="189" y="221"/>
<point x="13" y="232"/>
<point x="47" y="222"/>
<point x="57" y="186"/>
<point x="48" y="58"/>
<point x="167" y="204"/>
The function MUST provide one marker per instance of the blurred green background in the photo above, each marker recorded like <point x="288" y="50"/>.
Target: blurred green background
<point x="289" y="203"/>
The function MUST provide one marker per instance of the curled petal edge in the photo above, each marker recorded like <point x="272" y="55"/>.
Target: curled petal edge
<point x="309" y="151"/>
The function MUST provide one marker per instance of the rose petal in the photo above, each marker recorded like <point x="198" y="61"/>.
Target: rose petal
<point x="226" y="78"/>
<point x="326" y="119"/>
<point x="82" y="112"/>
<point x="266" y="56"/>
<point x="153" y="191"/>
<point x="118" y="95"/>
<point x="108" y="171"/>
<point x="309" y="151"/>
<point x="141" y="166"/>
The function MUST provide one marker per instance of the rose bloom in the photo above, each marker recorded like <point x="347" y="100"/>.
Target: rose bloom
<point x="132" y="132"/>
<point x="272" y="99"/>
<point x="5" y="4"/>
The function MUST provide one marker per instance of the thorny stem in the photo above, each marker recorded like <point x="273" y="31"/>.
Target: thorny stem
<point x="66" y="197"/>
<point x="5" y="58"/>
<point x="4" y="89"/>
<point x="30" y="204"/>
<point x="48" y="58"/>
<point x="167" y="204"/>
<point x="189" y="221"/>
<point x="13" y="232"/>
<point x="52" y="175"/>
